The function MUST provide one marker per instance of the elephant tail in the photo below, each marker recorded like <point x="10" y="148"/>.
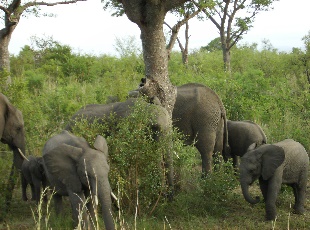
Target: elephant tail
<point x="226" y="148"/>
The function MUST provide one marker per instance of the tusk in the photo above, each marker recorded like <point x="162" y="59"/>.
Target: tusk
<point x="114" y="197"/>
<point x="21" y="153"/>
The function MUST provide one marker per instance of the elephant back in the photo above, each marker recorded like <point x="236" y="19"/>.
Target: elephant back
<point x="65" y="138"/>
<point x="296" y="160"/>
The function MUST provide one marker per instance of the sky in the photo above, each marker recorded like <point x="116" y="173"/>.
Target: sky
<point x="88" y="29"/>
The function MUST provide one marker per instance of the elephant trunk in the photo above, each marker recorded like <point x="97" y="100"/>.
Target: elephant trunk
<point x="18" y="158"/>
<point x="247" y="196"/>
<point x="104" y="195"/>
<point x="18" y="146"/>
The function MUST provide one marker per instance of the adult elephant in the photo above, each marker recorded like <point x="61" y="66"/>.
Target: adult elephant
<point x="33" y="174"/>
<point x="161" y="124"/>
<point x="76" y="170"/>
<point x="284" y="162"/>
<point x="200" y="115"/>
<point x="241" y="134"/>
<point x="12" y="133"/>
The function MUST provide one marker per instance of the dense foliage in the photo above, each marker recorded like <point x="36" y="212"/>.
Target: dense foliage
<point x="51" y="82"/>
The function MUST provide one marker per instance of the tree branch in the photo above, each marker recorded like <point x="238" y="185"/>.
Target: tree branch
<point x="30" y="4"/>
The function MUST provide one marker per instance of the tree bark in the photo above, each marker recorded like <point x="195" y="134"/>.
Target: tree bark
<point x="156" y="65"/>
<point x="4" y="50"/>
<point x="149" y="15"/>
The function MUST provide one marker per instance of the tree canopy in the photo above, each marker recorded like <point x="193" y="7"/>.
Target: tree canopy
<point x="233" y="19"/>
<point x="11" y="12"/>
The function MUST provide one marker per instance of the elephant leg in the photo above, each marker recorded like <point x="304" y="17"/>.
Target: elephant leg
<point x="270" y="202"/>
<point x="33" y="191"/>
<point x="205" y="146"/>
<point x="37" y="190"/>
<point x="169" y="175"/>
<point x="24" y="187"/>
<point x="299" y="193"/>
<point x="79" y="214"/>
<point x="91" y="205"/>
<point x="10" y="188"/>
<point x="264" y="188"/>
<point x="236" y="162"/>
<point x="58" y="203"/>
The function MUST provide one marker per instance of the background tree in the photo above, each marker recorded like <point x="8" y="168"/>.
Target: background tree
<point x="306" y="57"/>
<point x="10" y="14"/>
<point x="214" y="45"/>
<point x="231" y="27"/>
<point x="149" y="15"/>
<point x="184" y="13"/>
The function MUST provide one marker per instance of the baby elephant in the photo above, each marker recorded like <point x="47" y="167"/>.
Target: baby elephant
<point x="76" y="170"/>
<point x="285" y="162"/>
<point x="32" y="173"/>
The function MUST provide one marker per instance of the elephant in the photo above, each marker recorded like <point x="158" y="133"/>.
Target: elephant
<point x="12" y="133"/>
<point x="33" y="173"/>
<point x="76" y="170"/>
<point x="201" y="116"/>
<point x="161" y="125"/>
<point x="285" y="162"/>
<point x="241" y="134"/>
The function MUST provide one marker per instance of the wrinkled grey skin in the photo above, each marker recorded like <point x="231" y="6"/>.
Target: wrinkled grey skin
<point x="160" y="126"/>
<point x="285" y="162"/>
<point x="241" y="134"/>
<point x="34" y="175"/>
<point x="76" y="170"/>
<point x="199" y="113"/>
<point x="12" y="133"/>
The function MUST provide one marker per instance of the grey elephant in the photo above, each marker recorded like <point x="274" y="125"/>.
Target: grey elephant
<point x="285" y="162"/>
<point x="161" y="123"/>
<point x="76" y="170"/>
<point x="33" y="174"/>
<point x="12" y="133"/>
<point x="200" y="115"/>
<point x="241" y="134"/>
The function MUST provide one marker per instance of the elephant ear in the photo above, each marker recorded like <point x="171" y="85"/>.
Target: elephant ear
<point x="101" y="145"/>
<point x="272" y="158"/>
<point x="251" y="147"/>
<point x="61" y="163"/>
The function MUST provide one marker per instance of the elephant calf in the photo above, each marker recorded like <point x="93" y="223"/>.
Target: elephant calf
<point x="285" y="162"/>
<point x="32" y="173"/>
<point x="76" y="170"/>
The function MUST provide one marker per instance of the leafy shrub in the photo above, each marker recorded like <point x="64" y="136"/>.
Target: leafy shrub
<point x="35" y="81"/>
<point x="136" y="159"/>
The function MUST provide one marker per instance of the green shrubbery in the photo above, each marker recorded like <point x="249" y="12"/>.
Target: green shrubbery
<point x="268" y="87"/>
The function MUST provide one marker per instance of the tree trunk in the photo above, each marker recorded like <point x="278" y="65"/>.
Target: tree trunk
<point x="5" y="37"/>
<point x="226" y="59"/>
<point x="156" y="64"/>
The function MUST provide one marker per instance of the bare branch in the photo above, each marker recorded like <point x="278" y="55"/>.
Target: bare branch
<point x="35" y="3"/>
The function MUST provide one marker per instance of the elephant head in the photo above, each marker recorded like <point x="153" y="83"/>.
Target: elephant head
<point x="33" y="174"/>
<point x="78" y="168"/>
<point x="12" y="130"/>
<point x="259" y="162"/>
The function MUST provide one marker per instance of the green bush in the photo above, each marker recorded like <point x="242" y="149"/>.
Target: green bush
<point x="35" y="81"/>
<point x="136" y="161"/>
